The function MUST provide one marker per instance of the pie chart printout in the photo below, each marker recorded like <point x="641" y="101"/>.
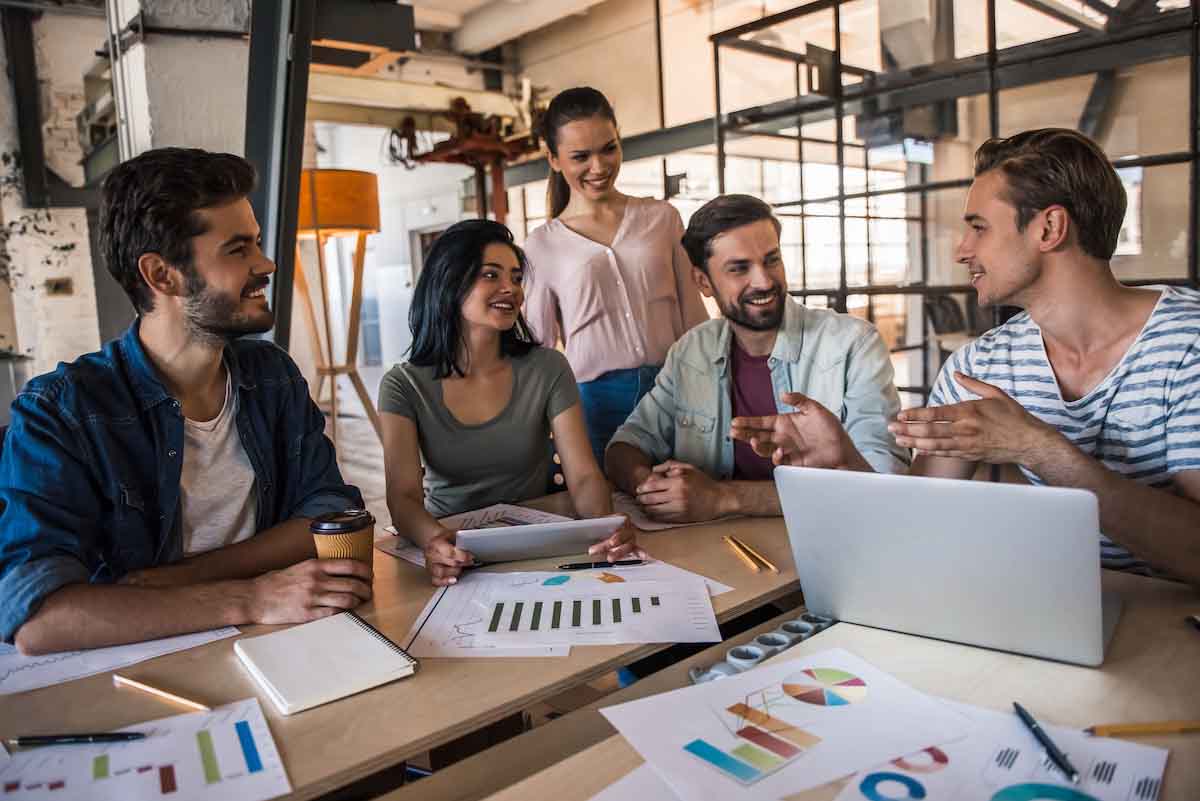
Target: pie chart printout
<point x="1041" y="792"/>
<point x="825" y="687"/>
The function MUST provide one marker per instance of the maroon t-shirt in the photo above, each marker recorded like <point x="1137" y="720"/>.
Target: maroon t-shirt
<point x="754" y="396"/>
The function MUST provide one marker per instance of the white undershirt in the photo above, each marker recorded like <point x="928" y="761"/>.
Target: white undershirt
<point x="217" y="494"/>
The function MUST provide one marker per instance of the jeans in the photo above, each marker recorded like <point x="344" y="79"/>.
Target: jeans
<point x="610" y="399"/>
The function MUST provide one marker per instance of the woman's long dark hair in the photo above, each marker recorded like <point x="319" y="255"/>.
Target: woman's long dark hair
<point x="450" y="270"/>
<point x="569" y="105"/>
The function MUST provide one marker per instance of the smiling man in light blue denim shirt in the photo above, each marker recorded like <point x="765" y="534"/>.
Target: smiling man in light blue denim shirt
<point x="674" y="453"/>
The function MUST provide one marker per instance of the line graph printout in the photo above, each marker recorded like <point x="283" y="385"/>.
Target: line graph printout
<point x="763" y="735"/>
<point x="999" y="759"/>
<point x="227" y="754"/>
<point x="19" y="673"/>
<point x="602" y="612"/>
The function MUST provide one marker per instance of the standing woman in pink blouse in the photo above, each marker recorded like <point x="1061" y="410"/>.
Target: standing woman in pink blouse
<point x="610" y="278"/>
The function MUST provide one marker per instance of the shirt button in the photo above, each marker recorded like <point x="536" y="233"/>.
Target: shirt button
<point x="171" y="454"/>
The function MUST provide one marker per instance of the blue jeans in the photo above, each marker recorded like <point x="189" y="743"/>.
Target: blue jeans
<point x="610" y="399"/>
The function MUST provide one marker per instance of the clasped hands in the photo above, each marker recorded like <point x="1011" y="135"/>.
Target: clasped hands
<point x="994" y="429"/>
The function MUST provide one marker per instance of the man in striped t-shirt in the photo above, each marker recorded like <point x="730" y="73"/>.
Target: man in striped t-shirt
<point x="1094" y="385"/>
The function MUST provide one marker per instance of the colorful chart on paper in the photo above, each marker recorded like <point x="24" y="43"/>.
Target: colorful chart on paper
<point x="825" y="687"/>
<point x="225" y="754"/>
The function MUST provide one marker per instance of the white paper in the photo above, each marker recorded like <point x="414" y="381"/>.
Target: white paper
<point x="401" y="548"/>
<point x="640" y="784"/>
<point x="573" y="609"/>
<point x="243" y="763"/>
<point x="820" y="726"/>
<point x="999" y="758"/>
<point x="20" y="673"/>
<point x="494" y="516"/>
<point x="448" y="625"/>
<point x="654" y="570"/>
<point x="497" y="515"/>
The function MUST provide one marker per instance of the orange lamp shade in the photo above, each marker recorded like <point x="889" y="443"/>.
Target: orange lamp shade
<point x="338" y="202"/>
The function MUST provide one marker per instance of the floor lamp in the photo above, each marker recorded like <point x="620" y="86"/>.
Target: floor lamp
<point x="337" y="203"/>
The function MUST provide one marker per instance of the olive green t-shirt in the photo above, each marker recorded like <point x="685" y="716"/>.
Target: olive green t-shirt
<point x="505" y="460"/>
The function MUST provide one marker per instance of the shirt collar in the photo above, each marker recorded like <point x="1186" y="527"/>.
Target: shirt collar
<point x="149" y="387"/>
<point x="789" y="340"/>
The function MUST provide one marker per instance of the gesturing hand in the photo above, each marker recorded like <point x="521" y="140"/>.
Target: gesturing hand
<point x="310" y="590"/>
<point x="994" y="429"/>
<point x="811" y="436"/>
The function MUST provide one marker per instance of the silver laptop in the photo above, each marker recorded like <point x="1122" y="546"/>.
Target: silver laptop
<point x="1004" y="566"/>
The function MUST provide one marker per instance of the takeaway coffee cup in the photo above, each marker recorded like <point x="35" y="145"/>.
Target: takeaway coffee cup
<point x="344" y="535"/>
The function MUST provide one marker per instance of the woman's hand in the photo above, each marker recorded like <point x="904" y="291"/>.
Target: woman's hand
<point x="622" y="544"/>
<point x="444" y="560"/>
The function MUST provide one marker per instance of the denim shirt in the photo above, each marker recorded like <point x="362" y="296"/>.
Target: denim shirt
<point x="837" y="360"/>
<point x="89" y="476"/>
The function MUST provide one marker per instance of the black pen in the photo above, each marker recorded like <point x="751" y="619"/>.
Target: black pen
<point x="1194" y="620"/>
<point x="590" y="565"/>
<point x="74" y="739"/>
<point x="1056" y="756"/>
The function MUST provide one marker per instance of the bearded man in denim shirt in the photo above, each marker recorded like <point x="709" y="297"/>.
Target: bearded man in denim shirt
<point x="674" y="453"/>
<point x="164" y="484"/>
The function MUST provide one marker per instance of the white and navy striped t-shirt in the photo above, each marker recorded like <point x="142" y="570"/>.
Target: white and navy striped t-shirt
<point x="1142" y="420"/>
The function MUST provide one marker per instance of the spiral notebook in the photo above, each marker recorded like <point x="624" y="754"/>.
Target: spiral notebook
<point x="318" y="662"/>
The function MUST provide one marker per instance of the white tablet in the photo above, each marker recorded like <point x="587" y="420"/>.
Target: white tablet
<point x="537" y="540"/>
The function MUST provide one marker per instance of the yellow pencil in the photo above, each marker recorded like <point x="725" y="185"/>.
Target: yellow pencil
<point x="755" y="554"/>
<point x="745" y="557"/>
<point x="122" y="681"/>
<point x="1162" y="727"/>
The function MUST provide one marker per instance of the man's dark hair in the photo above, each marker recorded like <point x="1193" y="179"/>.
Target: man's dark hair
<point x="450" y="270"/>
<point x="149" y="203"/>
<point x="1060" y="167"/>
<point x="717" y="216"/>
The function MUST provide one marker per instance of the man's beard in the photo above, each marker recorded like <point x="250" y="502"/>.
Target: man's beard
<point x="737" y="312"/>
<point x="214" y="317"/>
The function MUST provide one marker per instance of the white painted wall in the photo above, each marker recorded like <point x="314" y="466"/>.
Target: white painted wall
<point x="197" y="92"/>
<point x="410" y="200"/>
<point x="40" y="244"/>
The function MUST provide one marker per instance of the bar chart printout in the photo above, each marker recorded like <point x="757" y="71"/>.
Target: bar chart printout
<point x="227" y="754"/>
<point x="601" y="612"/>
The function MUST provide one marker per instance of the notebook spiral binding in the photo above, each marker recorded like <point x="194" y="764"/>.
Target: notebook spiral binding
<point x="383" y="638"/>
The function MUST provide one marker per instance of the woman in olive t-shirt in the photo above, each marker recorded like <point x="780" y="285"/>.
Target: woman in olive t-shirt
<point x="478" y="400"/>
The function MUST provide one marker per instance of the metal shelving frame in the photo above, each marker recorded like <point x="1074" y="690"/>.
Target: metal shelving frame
<point x="1132" y="36"/>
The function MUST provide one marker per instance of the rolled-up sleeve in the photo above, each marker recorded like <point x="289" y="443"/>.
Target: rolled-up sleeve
<point x="48" y="508"/>
<point x="317" y="485"/>
<point x="871" y="402"/>
<point x="651" y="427"/>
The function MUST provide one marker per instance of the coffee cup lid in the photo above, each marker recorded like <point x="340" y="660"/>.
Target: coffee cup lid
<point x="341" y="522"/>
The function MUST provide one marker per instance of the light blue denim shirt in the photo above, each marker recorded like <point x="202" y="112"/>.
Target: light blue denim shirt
<point x="835" y="359"/>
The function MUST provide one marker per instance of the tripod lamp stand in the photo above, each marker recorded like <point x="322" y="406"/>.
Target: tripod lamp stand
<point x="337" y="203"/>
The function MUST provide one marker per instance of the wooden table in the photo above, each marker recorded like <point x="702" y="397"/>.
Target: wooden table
<point x="337" y="744"/>
<point x="1151" y="673"/>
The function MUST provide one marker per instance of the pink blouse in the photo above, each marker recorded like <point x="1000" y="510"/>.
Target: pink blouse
<point x="613" y="307"/>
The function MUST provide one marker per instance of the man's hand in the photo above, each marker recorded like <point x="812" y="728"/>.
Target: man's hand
<point x="995" y="429"/>
<point x="621" y="545"/>
<point x="444" y="560"/>
<point x="811" y="436"/>
<point x="310" y="590"/>
<point x="677" y="492"/>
